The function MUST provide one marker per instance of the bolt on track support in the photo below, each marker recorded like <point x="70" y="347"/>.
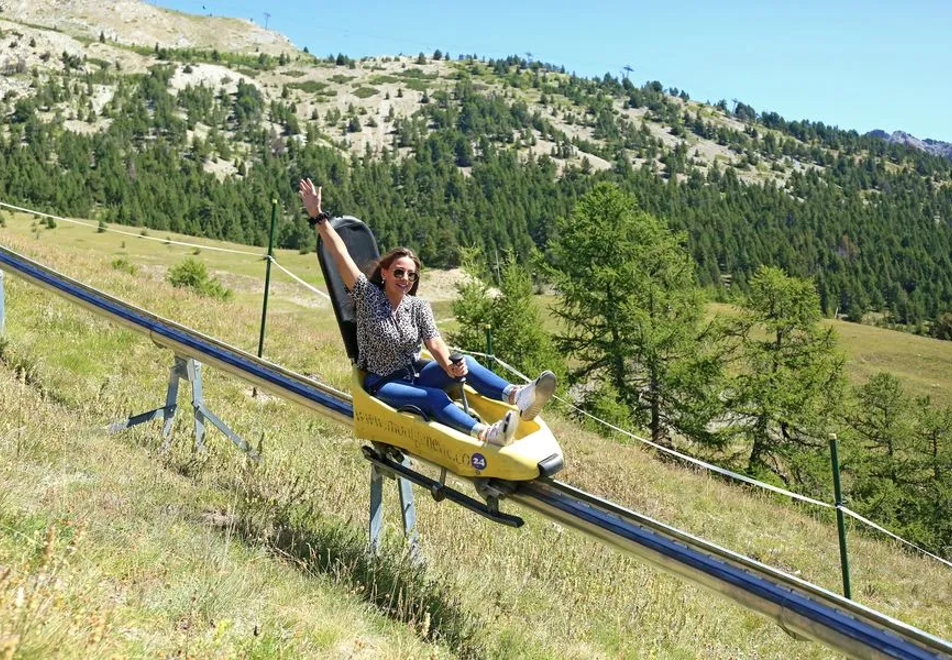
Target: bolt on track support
<point x="190" y="370"/>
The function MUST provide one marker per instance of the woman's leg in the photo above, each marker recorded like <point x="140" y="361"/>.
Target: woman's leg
<point x="479" y="377"/>
<point x="431" y="400"/>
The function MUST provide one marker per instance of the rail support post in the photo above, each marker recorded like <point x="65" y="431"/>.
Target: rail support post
<point x="407" y="511"/>
<point x="190" y="370"/>
<point x="267" y="276"/>
<point x="840" y="519"/>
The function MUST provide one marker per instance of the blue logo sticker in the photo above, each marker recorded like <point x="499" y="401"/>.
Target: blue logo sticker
<point x="478" y="461"/>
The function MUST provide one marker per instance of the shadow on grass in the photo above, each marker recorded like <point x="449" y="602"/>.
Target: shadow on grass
<point x="390" y="579"/>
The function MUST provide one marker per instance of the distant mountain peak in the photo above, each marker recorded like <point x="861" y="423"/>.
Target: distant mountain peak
<point x="928" y="145"/>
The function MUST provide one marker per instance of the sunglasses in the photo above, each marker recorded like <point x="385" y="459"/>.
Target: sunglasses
<point x="410" y="274"/>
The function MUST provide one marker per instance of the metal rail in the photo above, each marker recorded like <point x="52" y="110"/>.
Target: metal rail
<point x="187" y="342"/>
<point x="801" y="608"/>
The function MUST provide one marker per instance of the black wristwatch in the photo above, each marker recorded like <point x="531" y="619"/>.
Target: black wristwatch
<point x="319" y="218"/>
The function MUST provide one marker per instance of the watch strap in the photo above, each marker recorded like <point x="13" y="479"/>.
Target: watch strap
<point x="318" y="219"/>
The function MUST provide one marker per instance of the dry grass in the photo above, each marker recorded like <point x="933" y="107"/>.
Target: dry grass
<point x="109" y="551"/>
<point x="293" y="528"/>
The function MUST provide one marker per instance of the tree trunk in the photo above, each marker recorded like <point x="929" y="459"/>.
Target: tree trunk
<point x="760" y="445"/>
<point x="657" y="430"/>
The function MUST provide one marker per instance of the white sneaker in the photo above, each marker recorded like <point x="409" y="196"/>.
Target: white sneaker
<point x="531" y="398"/>
<point x="502" y="432"/>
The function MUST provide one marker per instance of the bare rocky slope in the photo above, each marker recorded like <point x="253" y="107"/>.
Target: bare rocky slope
<point x="929" y="145"/>
<point x="132" y="22"/>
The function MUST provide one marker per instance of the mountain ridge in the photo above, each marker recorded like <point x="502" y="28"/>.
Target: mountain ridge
<point x="495" y="149"/>
<point x="929" y="145"/>
<point x="132" y="22"/>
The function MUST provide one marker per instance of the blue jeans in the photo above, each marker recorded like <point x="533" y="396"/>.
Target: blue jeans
<point x="426" y="391"/>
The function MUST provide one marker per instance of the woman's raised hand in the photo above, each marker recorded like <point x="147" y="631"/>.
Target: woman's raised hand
<point x="311" y="196"/>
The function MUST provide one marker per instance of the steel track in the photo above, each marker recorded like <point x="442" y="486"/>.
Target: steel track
<point x="803" y="609"/>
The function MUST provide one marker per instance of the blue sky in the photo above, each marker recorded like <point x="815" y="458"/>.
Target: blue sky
<point x="859" y="65"/>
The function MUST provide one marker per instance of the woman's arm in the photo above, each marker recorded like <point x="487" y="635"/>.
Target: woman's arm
<point x="441" y="353"/>
<point x="311" y="196"/>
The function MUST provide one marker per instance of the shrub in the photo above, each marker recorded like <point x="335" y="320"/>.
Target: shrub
<point x="308" y="86"/>
<point x="123" y="264"/>
<point x="519" y="336"/>
<point x="192" y="274"/>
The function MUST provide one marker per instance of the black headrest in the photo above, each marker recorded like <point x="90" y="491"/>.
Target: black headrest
<point x="363" y="250"/>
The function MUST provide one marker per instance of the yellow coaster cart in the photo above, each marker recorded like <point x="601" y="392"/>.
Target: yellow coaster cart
<point x="396" y="435"/>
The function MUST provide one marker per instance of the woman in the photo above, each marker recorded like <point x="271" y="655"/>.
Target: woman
<point x="391" y="324"/>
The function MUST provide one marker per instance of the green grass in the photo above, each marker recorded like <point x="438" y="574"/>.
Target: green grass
<point x="923" y="364"/>
<point x="113" y="552"/>
<point x="243" y="274"/>
<point x="383" y="79"/>
<point x="418" y="74"/>
<point x="309" y="86"/>
<point x="366" y="92"/>
<point x="181" y="550"/>
<point x="417" y="85"/>
<point x="341" y="79"/>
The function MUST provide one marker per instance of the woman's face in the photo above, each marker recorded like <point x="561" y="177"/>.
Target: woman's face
<point x="401" y="275"/>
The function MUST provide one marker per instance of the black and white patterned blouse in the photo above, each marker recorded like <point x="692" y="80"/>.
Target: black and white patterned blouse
<point x="389" y="340"/>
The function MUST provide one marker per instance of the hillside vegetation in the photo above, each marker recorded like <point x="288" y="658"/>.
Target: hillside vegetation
<point x="631" y="206"/>
<point x="446" y="152"/>
<point x="157" y="553"/>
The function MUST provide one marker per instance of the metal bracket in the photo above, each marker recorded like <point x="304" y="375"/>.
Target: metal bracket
<point x="440" y="491"/>
<point x="191" y="370"/>
<point x="407" y="509"/>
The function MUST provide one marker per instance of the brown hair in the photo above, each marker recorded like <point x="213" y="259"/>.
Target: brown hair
<point x="384" y="262"/>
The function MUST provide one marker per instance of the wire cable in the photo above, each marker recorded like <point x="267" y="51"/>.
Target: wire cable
<point x="169" y="241"/>
<point x="724" y="471"/>
<point x="134" y="235"/>
<point x="684" y="457"/>
<point x="298" y="279"/>
<point x="879" y="528"/>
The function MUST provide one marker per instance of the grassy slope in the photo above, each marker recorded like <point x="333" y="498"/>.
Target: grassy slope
<point x="923" y="364"/>
<point x="119" y="553"/>
<point x="536" y="592"/>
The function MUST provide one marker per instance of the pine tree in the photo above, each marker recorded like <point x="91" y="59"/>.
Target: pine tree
<point x="788" y="382"/>
<point x="631" y="312"/>
<point x="519" y="337"/>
